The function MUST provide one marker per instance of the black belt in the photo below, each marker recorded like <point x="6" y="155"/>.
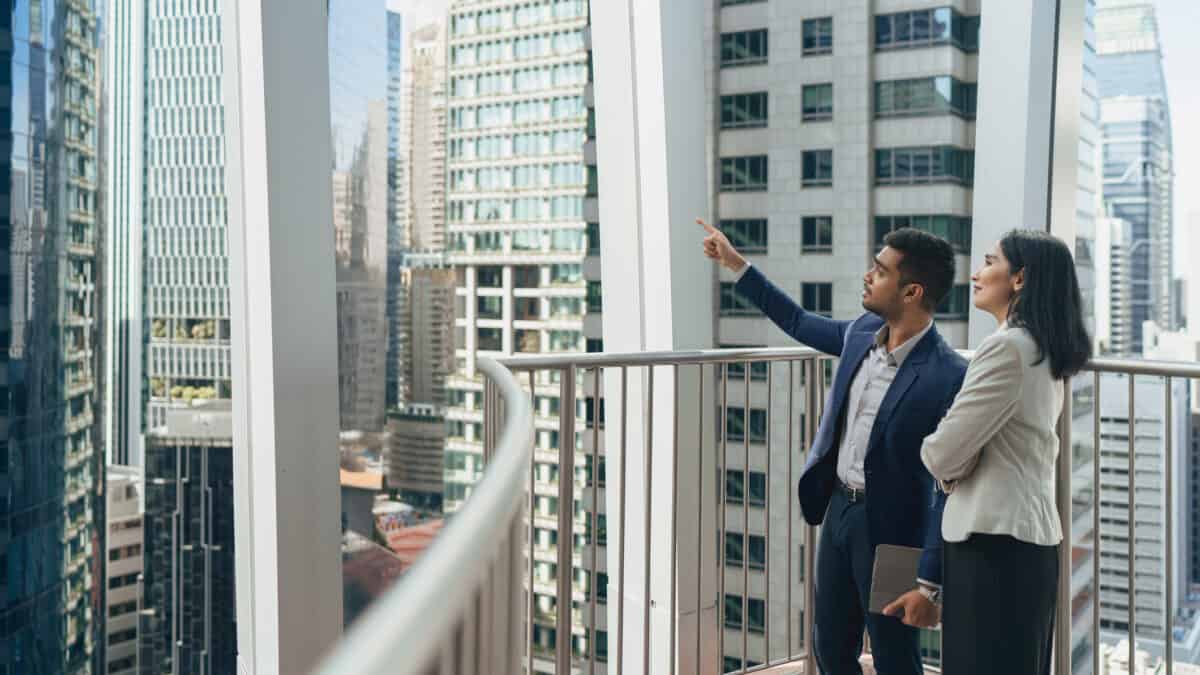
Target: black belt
<point x="853" y="495"/>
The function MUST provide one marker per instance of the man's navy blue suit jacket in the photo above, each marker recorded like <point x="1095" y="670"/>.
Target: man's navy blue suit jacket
<point x="904" y="506"/>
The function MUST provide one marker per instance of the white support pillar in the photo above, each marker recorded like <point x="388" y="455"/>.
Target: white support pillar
<point x="287" y="498"/>
<point x="657" y="295"/>
<point x="1027" y="107"/>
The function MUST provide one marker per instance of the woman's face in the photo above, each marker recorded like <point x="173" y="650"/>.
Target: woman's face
<point x="994" y="285"/>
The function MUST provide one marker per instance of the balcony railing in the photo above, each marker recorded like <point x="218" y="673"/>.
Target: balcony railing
<point x="477" y="569"/>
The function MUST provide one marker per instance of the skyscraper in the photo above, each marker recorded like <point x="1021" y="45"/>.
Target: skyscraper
<point x="1138" y="172"/>
<point x="519" y="75"/>
<point x="188" y="624"/>
<point x="358" y="67"/>
<point x="397" y="190"/>
<point x="49" y="470"/>
<point x="123" y="572"/>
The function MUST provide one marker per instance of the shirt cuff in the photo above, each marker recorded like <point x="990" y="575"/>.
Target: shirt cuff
<point x="929" y="584"/>
<point x="737" y="276"/>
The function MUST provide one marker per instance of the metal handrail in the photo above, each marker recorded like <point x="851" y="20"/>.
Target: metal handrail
<point x="407" y="628"/>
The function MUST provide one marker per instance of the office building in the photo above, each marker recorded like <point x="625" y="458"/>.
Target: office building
<point x="396" y="191"/>
<point x="123" y="569"/>
<point x="423" y="159"/>
<point x="188" y="622"/>
<point x="429" y="289"/>
<point x="1137" y="162"/>
<point x="415" y="451"/>
<point x="50" y="472"/>
<point x="358" y="105"/>
<point x="518" y="82"/>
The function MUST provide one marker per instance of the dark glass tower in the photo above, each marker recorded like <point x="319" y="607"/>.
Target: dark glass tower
<point x="188" y="618"/>
<point x="48" y="470"/>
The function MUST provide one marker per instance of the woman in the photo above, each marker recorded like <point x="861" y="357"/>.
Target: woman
<point x="994" y="454"/>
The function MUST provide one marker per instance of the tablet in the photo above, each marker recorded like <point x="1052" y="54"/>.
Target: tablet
<point x="895" y="574"/>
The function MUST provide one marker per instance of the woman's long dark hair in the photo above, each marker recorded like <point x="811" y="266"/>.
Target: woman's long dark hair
<point x="1049" y="305"/>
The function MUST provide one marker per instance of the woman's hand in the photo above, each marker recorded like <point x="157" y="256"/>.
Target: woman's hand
<point x="914" y="609"/>
<point x="717" y="247"/>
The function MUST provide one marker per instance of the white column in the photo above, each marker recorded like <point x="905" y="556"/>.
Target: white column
<point x="287" y="500"/>
<point x="658" y="295"/>
<point x="1026" y="108"/>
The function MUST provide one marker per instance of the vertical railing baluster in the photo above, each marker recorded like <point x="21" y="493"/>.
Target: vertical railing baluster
<point x="1062" y="623"/>
<point x="566" y="518"/>
<point x="1168" y="431"/>
<point x="814" y="387"/>
<point x="647" y="470"/>
<point x="791" y="450"/>
<point x="1132" y="514"/>
<point x="721" y="490"/>
<point x="1096" y="523"/>
<point x="767" y="519"/>
<point x="674" y="516"/>
<point x="621" y="543"/>
<point x="532" y="512"/>
<point x="595" y="516"/>
<point x="700" y="420"/>
<point x="747" y="431"/>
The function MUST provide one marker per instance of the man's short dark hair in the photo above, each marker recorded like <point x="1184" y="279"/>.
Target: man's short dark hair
<point x="927" y="259"/>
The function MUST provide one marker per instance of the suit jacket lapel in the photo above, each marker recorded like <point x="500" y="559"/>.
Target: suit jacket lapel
<point x="910" y="370"/>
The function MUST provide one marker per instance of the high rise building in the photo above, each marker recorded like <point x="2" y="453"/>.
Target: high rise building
<point x="1137" y="160"/>
<point x="415" y="452"/>
<point x="123" y="571"/>
<point x="397" y="192"/>
<point x="424" y="160"/>
<point x="358" y="104"/>
<point x="188" y="594"/>
<point x="429" y="287"/>
<point x="519" y="76"/>
<point x="49" y="471"/>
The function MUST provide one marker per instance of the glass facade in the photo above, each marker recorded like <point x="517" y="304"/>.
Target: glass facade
<point x="188" y="581"/>
<point x="50" y="553"/>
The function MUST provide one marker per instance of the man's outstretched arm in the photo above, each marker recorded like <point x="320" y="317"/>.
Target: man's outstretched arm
<point x="814" y="330"/>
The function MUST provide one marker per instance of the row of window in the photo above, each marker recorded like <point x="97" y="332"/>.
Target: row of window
<point x="522" y="16"/>
<point x="519" y="81"/>
<point x="528" y="144"/>
<point x="564" y="207"/>
<point x="912" y="97"/>
<point x="750" y="235"/>
<point x="534" y="241"/>
<point x="561" y="174"/>
<point x="816" y="297"/>
<point x="529" y="341"/>
<point x="518" y="48"/>
<point x="893" y="166"/>
<point x="902" y="30"/>
<point x="528" y="276"/>
<point x="521" y="112"/>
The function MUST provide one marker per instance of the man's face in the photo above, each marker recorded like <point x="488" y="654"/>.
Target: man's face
<point x="883" y="292"/>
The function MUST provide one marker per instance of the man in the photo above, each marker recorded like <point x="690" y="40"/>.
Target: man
<point x="864" y="478"/>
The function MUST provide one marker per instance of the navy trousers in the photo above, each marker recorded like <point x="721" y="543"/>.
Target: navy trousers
<point x="845" y="559"/>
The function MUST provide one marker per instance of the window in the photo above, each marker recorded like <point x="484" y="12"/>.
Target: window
<point x="755" y="609"/>
<point x="758" y="369"/>
<point x="748" y="235"/>
<point x="818" y="36"/>
<point x="817" y="298"/>
<point x="734" y="303"/>
<point x="735" y="487"/>
<point x="122" y="608"/>
<point x="740" y="111"/>
<point x="489" y="307"/>
<point x="816" y="234"/>
<point x="593" y="238"/>
<point x="594" y="298"/>
<point x="925" y="28"/>
<point x="956" y="304"/>
<point x="490" y="339"/>
<point x="730" y="3"/>
<point x="818" y="102"/>
<point x="735" y="423"/>
<point x="734" y="541"/>
<point x="817" y="167"/>
<point x="955" y="229"/>
<point x="122" y="636"/>
<point x="938" y="164"/>
<point x="489" y="277"/>
<point x="744" y="174"/>
<point x="744" y="48"/>
<point x="925" y="96"/>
